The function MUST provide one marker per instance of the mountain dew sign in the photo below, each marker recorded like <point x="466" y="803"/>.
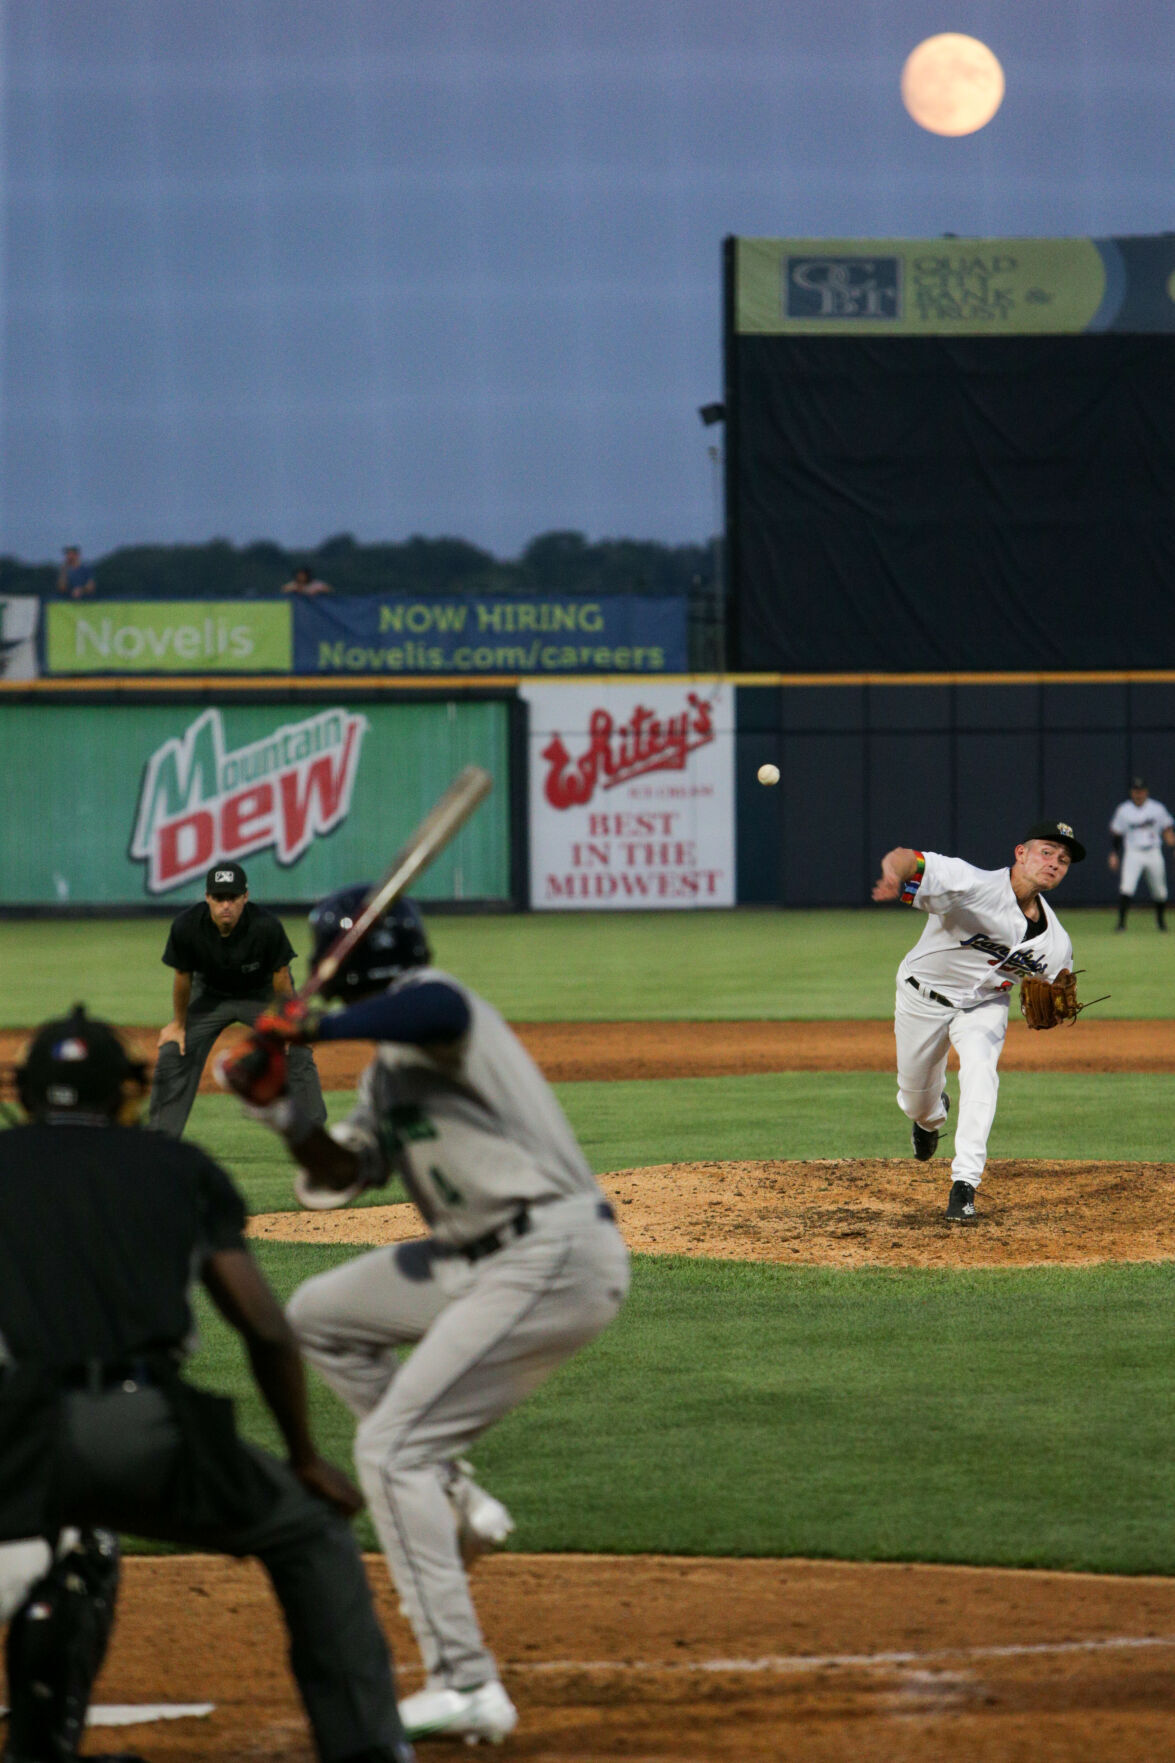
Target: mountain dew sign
<point x="201" y="800"/>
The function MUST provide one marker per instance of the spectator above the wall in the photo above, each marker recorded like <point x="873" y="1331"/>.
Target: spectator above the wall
<point x="306" y="582"/>
<point x="75" y="578"/>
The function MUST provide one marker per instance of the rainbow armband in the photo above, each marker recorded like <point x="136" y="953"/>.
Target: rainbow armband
<point x="910" y="887"/>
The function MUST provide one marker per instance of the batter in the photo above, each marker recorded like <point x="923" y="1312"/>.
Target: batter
<point x="986" y="929"/>
<point x="1140" y="828"/>
<point x="522" y="1266"/>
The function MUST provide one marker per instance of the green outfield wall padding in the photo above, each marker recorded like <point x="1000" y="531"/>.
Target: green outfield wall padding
<point x="110" y="805"/>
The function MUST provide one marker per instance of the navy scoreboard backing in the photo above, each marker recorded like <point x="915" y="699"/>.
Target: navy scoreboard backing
<point x="950" y="454"/>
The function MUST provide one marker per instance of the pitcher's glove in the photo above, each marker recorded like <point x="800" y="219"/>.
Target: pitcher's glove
<point x="1046" y="1002"/>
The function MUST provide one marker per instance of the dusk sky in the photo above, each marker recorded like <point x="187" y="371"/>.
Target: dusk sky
<point x="286" y="268"/>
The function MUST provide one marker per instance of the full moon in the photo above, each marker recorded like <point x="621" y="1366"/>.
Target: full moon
<point x="952" y="85"/>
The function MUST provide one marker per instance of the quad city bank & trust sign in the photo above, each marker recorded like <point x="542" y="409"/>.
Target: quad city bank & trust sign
<point x="952" y="286"/>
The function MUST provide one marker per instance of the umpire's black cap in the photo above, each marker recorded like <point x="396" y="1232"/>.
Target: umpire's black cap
<point x="225" y="881"/>
<point x="1061" y="833"/>
<point x="76" y="1063"/>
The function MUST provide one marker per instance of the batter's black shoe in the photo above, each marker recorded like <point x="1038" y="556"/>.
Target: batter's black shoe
<point x="925" y="1138"/>
<point x="961" y="1205"/>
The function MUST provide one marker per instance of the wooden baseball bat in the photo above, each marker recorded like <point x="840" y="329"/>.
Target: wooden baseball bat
<point x="446" y="818"/>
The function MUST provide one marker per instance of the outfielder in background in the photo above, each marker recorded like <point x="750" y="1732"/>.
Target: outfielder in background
<point x="1140" y="828"/>
<point x="231" y="959"/>
<point x="986" y="929"/>
<point x="523" y="1265"/>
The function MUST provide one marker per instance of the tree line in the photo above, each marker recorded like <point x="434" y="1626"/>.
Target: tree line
<point x="553" y="563"/>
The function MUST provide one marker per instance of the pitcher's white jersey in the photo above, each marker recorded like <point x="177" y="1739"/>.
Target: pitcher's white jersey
<point x="977" y="942"/>
<point x="1141" y="828"/>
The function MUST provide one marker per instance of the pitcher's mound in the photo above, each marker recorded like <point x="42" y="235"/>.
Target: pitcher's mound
<point x="879" y="1212"/>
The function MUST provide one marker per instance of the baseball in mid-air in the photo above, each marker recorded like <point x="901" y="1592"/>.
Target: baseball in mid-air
<point x="769" y="774"/>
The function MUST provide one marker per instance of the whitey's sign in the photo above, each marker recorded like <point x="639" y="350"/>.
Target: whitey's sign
<point x="201" y="800"/>
<point x="631" y="795"/>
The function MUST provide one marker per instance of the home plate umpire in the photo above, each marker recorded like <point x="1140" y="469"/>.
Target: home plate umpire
<point x="102" y="1227"/>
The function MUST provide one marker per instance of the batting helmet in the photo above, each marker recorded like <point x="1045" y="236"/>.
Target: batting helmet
<point x="395" y="942"/>
<point x="77" y="1065"/>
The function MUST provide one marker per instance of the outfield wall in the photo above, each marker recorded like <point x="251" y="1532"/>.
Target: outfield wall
<point x="118" y="797"/>
<point x="113" y="804"/>
<point x="961" y="765"/>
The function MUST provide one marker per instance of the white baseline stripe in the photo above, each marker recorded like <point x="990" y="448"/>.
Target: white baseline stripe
<point x="134" y="1714"/>
<point x="137" y="1713"/>
<point x="796" y="1662"/>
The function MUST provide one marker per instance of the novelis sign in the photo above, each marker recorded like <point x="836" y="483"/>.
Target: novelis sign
<point x="170" y="636"/>
<point x="201" y="800"/>
<point x="491" y="634"/>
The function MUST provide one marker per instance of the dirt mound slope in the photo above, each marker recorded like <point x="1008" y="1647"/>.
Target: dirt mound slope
<point x="882" y="1213"/>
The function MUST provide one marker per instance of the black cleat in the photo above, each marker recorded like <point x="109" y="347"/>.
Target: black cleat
<point x="925" y="1138"/>
<point x="961" y="1205"/>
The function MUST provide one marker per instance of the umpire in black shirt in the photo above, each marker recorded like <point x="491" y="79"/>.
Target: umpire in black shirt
<point x="231" y="958"/>
<point x="102" y="1228"/>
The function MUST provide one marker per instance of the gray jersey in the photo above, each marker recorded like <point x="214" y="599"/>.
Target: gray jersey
<point x="474" y="1131"/>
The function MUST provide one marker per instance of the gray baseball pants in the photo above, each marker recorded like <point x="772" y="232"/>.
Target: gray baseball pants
<point x="484" y="1336"/>
<point x="177" y="1075"/>
<point x="116" y="1467"/>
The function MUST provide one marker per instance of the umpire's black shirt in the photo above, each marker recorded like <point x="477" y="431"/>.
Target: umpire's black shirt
<point x="241" y="965"/>
<point x="102" y="1230"/>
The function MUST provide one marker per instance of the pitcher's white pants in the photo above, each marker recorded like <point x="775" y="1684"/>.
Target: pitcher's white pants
<point x="1136" y="864"/>
<point x="924" y="1032"/>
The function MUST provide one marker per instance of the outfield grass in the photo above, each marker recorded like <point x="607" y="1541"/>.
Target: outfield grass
<point x="1019" y="1418"/>
<point x="1016" y="1417"/>
<point x="595" y="966"/>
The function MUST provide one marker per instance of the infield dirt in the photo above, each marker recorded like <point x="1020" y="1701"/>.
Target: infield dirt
<point x="670" y="1660"/>
<point x="576" y="1052"/>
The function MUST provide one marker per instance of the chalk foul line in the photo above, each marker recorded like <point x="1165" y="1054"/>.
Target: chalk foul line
<point x="798" y="1662"/>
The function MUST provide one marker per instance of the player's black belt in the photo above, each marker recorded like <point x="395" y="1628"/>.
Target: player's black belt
<point x="518" y="1226"/>
<point x="927" y="993"/>
<point x="96" y="1375"/>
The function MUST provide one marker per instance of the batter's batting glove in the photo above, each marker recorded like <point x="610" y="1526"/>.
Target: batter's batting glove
<point x="257" y="1070"/>
<point x="292" y="1021"/>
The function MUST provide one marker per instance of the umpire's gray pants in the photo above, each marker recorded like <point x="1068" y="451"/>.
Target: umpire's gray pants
<point x="115" y="1466"/>
<point x="177" y="1075"/>
<point x="488" y="1335"/>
